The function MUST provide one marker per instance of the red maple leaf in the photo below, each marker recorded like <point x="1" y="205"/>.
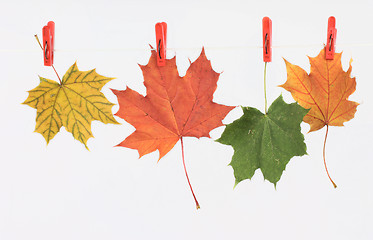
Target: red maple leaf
<point x="174" y="107"/>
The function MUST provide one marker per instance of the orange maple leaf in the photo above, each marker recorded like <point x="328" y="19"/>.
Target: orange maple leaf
<point x="324" y="91"/>
<point x="173" y="107"/>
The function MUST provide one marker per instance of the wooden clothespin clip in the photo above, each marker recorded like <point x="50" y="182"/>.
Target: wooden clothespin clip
<point x="48" y="43"/>
<point x="267" y="39"/>
<point x="331" y="38"/>
<point x="161" y="38"/>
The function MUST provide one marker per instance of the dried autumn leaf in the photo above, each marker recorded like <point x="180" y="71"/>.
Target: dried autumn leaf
<point x="174" y="106"/>
<point x="324" y="91"/>
<point x="74" y="103"/>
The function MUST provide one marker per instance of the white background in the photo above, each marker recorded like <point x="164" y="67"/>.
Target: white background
<point x="62" y="191"/>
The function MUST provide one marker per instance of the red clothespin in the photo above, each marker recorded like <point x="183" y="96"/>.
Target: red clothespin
<point x="267" y="39"/>
<point x="161" y="38"/>
<point x="331" y="38"/>
<point x="48" y="43"/>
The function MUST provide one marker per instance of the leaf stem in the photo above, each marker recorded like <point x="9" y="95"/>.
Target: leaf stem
<point x="37" y="39"/>
<point x="57" y="74"/>
<point x="186" y="173"/>
<point x="265" y="87"/>
<point x="326" y="135"/>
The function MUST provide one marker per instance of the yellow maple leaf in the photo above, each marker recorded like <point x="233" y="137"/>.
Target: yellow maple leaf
<point x="74" y="103"/>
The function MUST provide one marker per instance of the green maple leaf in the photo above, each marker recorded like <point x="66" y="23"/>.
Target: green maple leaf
<point x="265" y="141"/>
